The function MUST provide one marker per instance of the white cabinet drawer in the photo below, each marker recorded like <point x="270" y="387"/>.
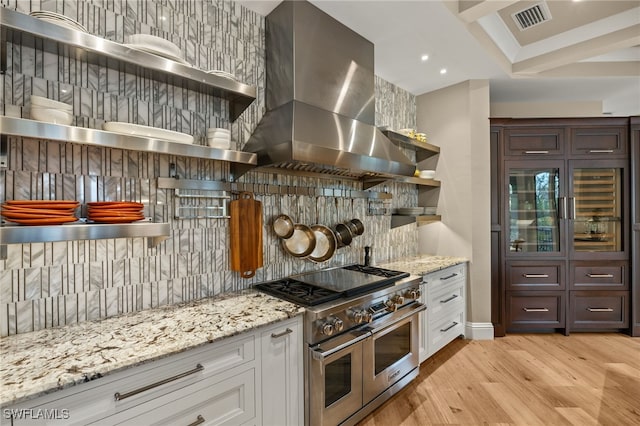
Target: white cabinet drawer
<point x="446" y="298"/>
<point x="95" y="400"/>
<point x="444" y="330"/>
<point x="210" y="402"/>
<point x="445" y="277"/>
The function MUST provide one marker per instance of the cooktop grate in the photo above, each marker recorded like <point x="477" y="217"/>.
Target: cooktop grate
<point x="298" y="292"/>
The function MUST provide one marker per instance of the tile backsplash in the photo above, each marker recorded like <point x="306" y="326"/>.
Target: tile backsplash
<point x="53" y="284"/>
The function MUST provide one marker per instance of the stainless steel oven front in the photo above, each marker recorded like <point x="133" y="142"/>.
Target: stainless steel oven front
<point x="354" y="372"/>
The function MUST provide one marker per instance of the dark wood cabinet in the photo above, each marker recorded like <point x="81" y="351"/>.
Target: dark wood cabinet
<point x="561" y="224"/>
<point x="635" y="234"/>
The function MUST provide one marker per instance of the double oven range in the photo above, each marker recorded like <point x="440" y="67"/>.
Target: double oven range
<point x="360" y="334"/>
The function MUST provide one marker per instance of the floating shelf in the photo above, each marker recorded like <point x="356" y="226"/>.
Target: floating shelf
<point x="23" y="29"/>
<point x="21" y="234"/>
<point x="423" y="150"/>
<point x="401" y="220"/>
<point x="40" y="130"/>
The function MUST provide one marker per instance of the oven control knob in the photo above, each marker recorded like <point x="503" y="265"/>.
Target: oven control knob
<point x="398" y="300"/>
<point x="338" y="325"/>
<point x="414" y="294"/>
<point x="368" y="317"/>
<point x="391" y="306"/>
<point x="361" y="316"/>
<point x="327" y="329"/>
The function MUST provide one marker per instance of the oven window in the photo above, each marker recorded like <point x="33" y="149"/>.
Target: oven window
<point x="337" y="379"/>
<point x="392" y="347"/>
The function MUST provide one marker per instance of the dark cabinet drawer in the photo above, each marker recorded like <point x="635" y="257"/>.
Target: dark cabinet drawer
<point x="542" y="275"/>
<point x="599" y="309"/>
<point x="535" y="309"/>
<point x="607" y="276"/>
<point x="532" y="142"/>
<point x="599" y="141"/>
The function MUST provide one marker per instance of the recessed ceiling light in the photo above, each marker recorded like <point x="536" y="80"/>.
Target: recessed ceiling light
<point x="443" y="71"/>
<point x="424" y="57"/>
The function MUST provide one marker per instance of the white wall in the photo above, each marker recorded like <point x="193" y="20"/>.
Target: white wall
<point x="546" y="109"/>
<point x="456" y="118"/>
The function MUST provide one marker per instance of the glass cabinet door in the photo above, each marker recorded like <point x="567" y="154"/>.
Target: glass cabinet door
<point x="597" y="197"/>
<point x="533" y="208"/>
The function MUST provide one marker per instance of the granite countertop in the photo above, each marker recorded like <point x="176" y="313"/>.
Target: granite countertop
<point x="33" y="364"/>
<point x="423" y="264"/>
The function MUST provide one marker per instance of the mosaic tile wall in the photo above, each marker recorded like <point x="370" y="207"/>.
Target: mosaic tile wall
<point x="52" y="284"/>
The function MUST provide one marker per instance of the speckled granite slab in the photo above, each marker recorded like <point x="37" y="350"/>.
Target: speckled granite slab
<point x="33" y="364"/>
<point x="420" y="265"/>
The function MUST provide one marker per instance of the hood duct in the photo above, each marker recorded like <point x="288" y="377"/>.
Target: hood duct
<point x="320" y="99"/>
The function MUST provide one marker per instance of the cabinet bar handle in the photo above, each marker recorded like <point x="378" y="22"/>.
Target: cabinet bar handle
<point x="535" y="275"/>
<point x="199" y="421"/>
<point x="573" y="208"/>
<point x="535" y="309"/>
<point x="600" y="275"/>
<point x="120" y="396"/>
<point x="536" y="152"/>
<point x="600" y="151"/>
<point x="449" y="276"/>
<point x="442" y="330"/>
<point x="284" y="333"/>
<point x="599" y="309"/>
<point x="449" y="299"/>
<point x="563" y="207"/>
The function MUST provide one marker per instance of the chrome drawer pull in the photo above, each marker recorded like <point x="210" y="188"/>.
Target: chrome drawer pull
<point x="449" y="299"/>
<point x="600" y="275"/>
<point x="535" y="309"/>
<point x="120" y="396"/>
<point x="449" y="276"/>
<point x="600" y="151"/>
<point x="442" y="330"/>
<point x="535" y="275"/>
<point x="199" y="421"/>
<point x="536" y="152"/>
<point x="284" y="333"/>
<point x="599" y="309"/>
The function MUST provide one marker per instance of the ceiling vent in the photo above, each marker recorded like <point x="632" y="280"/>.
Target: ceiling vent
<point x="532" y="16"/>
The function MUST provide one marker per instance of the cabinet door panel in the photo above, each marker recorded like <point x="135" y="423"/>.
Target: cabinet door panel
<point x="541" y="275"/>
<point x="533" y="310"/>
<point x="603" y="141"/>
<point x="534" y="142"/>
<point x="599" y="309"/>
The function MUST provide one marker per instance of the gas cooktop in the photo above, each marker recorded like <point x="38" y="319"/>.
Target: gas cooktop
<point x="314" y="288"/>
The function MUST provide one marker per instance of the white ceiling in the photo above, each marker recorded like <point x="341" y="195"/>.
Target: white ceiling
<point x="598" y="60"/>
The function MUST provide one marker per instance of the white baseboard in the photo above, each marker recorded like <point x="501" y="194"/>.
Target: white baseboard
<point x="478" y="331"/>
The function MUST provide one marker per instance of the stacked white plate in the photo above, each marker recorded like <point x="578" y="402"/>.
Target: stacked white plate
<point x="147" y="132"/>
<point x="430" y="210"/>
<point x="157" y="46"/>
<point x="410" y="211"/>
<point x="58" y="19"/>
<point x="50" y="111"/>
<point x="219" y="138"/>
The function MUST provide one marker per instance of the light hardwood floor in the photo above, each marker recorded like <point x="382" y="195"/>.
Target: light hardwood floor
<point x="532" y="379"/>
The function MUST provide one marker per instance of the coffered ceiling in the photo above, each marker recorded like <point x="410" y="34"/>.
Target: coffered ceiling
<point x="586" y="50"/>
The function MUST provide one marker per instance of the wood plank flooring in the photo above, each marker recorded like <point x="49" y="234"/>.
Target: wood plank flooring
<point x="532" y="379"/>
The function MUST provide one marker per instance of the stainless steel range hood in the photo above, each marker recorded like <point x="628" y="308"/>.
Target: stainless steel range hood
<point x="320" y="99"/>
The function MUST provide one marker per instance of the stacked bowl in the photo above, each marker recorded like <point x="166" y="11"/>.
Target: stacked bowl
<point x="50" y="111"/>
<point x="115" y="211"/>
<point x="219" y="138"/>
<point x="40" y="212"/>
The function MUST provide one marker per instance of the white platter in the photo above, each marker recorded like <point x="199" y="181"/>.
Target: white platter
<point x="58" y="19"/>
<point x="147" y="132"/>
<point x="158" y="44"/>
<point x="156" y="52"/>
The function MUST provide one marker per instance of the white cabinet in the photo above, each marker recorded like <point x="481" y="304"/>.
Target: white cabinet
<point x="253" y="378"/>
<point x="443" y="292"/>
<point x="282" y="374"/>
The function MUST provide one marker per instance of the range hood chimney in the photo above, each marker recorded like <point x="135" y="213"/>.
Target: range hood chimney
<point x="320" y="99"/>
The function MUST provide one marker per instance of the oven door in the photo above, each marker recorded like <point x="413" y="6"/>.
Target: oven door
<point x="392" y="350"/>
<point x="335" y="378"/>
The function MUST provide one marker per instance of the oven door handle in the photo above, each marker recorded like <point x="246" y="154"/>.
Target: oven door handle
<point x="396" y="317"/>
<point x="330" y="347"/>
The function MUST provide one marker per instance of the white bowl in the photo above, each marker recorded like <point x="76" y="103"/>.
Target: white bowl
<point x="218" y="131"/>
<point x="427" y="174"/>
<point x="41" y="102"/>
<point x="49" y="115"/>
<point x="155" y="43"/>
<point x="218" y="144"/>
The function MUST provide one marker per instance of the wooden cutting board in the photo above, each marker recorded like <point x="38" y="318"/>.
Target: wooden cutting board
<point x="245" y="223"/>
